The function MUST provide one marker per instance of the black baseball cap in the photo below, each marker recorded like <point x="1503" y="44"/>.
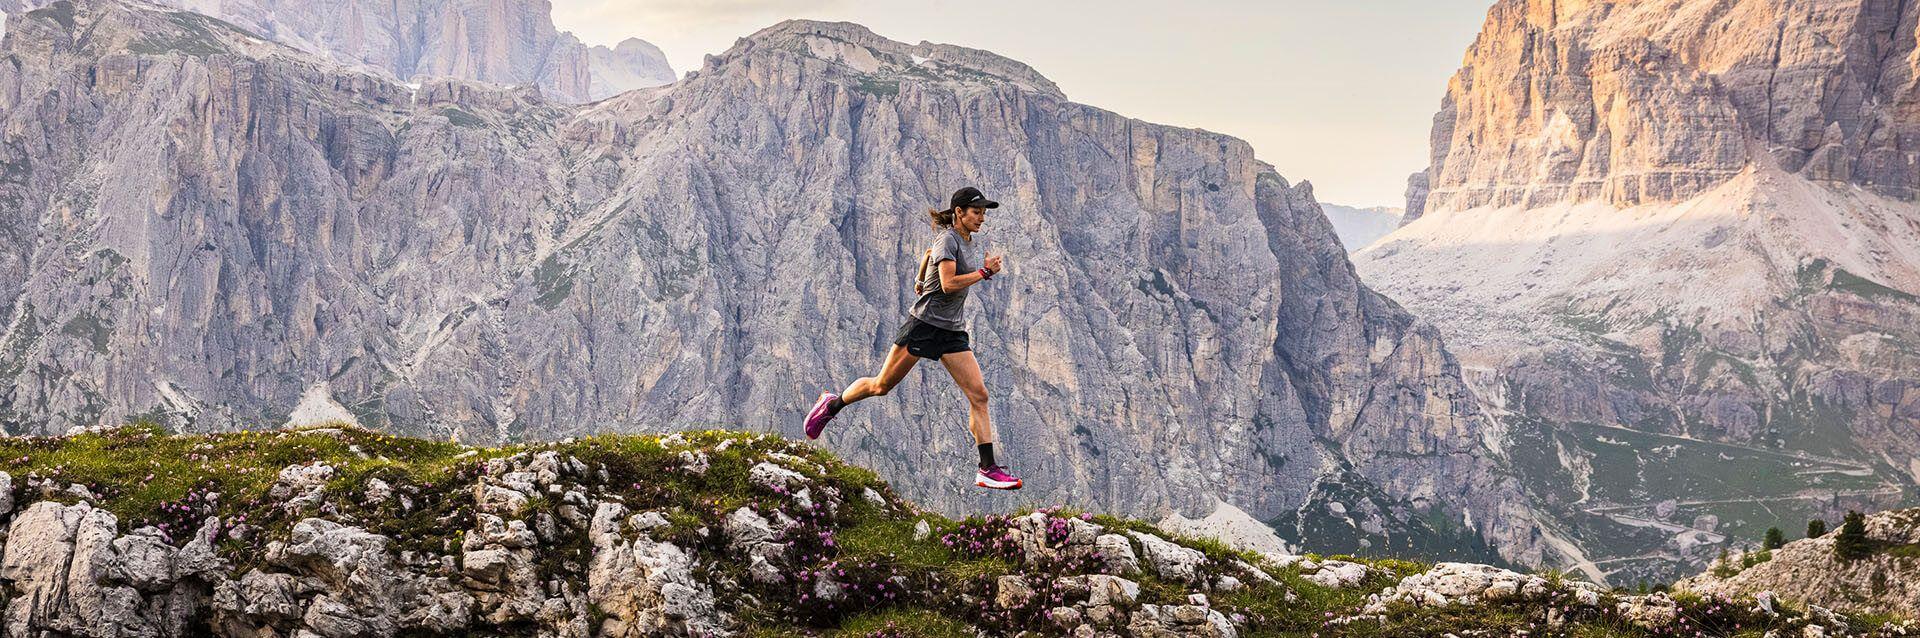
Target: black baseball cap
<point x="970" y="196"/>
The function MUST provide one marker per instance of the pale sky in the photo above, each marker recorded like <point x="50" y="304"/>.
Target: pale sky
<point x="1337" y="92"/>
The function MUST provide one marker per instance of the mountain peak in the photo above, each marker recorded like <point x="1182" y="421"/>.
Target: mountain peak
<point x="855" y="47"/>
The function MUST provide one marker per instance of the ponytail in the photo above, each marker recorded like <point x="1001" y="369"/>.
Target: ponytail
<point x="941" y="218"/>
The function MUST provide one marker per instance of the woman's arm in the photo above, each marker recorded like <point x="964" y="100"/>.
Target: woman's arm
<point x="951" y="282"/>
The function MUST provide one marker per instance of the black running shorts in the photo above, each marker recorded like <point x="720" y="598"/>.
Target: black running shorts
<point x="928" y="341"/>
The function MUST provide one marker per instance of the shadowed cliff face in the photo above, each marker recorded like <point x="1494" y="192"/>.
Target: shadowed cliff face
<point x="217" y="227"/>
<point x="1676" y="243"/>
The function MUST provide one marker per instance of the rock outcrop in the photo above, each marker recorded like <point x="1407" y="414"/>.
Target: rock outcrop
<point x="512" y="42"/>
<point x="1885" y="581"/>
<point x="463" y="261"/>
<point x="1679" y="235"/>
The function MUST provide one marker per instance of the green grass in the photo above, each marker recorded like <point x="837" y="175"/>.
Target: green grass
<point x="898" y="623"/>
<point x="1902" y="551"/>
<point x="146" y="477"/>
<point x="1628" y="464"/>
<point x="890" y="541"/>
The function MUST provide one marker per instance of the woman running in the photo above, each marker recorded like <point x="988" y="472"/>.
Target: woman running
<point x="936" y="328"/>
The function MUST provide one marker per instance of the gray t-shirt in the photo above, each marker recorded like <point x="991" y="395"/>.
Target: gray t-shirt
<point x="938" y="308"/>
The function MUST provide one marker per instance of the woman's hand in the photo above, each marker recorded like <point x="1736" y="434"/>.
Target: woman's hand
<point x="992" y="262"/>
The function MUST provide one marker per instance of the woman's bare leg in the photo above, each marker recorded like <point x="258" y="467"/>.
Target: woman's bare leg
<point x="966" y="372"/>
<point x="898" y="364"/>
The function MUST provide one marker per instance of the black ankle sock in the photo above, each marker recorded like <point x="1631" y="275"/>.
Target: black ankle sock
<point x="986" y="455"/>
<point x="834" y="405"/>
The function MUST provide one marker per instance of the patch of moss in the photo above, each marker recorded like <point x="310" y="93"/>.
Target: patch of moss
<point x="1705" y="364"/>
<point x="871" y="85"/>
<point x="16" y="172"/>
<point x="461" y="118"/>
<point x="552" y="282"/>
<point x="60" y="12"/>
<point x="194" y="37"/>
<point x="1851" y="283"/>
<point x="91" y="328"/>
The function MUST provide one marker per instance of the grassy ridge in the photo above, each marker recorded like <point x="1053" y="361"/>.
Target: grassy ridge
<point x="905" y="582"/>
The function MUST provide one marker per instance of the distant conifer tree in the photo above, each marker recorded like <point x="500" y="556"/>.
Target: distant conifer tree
<point x="1852" y="542"/>
<point x="1722" y="567"/>
<point x="1816" y="528"/>
<point x="1775" y="539"/>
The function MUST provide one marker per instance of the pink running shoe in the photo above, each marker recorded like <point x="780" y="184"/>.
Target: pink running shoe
<point x="818" y="418"/>
<point x="997" y="478"/>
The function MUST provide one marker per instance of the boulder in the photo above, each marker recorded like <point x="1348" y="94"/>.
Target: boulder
<point x="1170" y="560"/>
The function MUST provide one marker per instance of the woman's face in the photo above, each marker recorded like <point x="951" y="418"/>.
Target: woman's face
<point x="969" y="219"/>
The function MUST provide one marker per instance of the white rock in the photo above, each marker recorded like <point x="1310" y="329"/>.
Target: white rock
<point x="1338" y="574"/>
<point x="648" y="521"/>
<point x="604" y="531"/>
<point x="775" y="478"/>
<point x="377" y="492"/>
<point x="1168" y="559"/>
<point x="1230" y="525"/>
<point x="647" y="588"/>
<point x="745" y="527"/>
<point x="1116" y="554"/>
<point x="301" y="486"/>
<point x="1012" y="591"/>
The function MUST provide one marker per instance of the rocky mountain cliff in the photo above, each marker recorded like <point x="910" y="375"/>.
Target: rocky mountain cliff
<point x="215" y="232"/>
<point x="1886" y="581"/>
<point x="1675" y="244"/>
<point x="512" y="42"/>
<point x="1630" y="101"/>
<point x="343" y="533"/>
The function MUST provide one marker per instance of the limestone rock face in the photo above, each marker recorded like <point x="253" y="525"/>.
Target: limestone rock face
<point x="1631" y="101"/>
<point x="512" y="42"/>
<point x="471" y="262"/>
<point x="1680" y="235"/>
